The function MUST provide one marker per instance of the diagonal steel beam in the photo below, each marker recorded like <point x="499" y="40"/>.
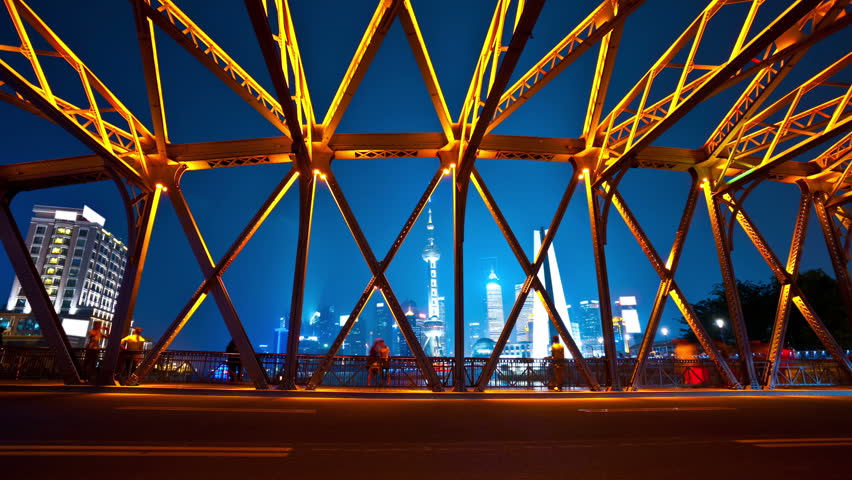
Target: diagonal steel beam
<point x="427" y="71"/>
<point x="532" y="281"/>
<point x="37" y="99"/>
<point x="606" y="18"/>
<point x="382" y="283"/>
<point x="666" y="274"/>
<point x="782" y="314"/>
<point x="665" y="283"/>
<point x="129" y="285"/>
<point x="377" y="29"/>
<point x="835" y="251"/>
<point x="522" y="33"/>
<point x="600" y="83"/>
<point x="732" y="295"/>
<point x="325" y="364"/>
<point x="707" y="86"/>
<point x="784" y="278"/>
<point x="151" y="71"/>
<point x="248" y="358"/>
<point x="188" y="35"/>
<point x="30" y="279"/>
<point x="221" y="267"/>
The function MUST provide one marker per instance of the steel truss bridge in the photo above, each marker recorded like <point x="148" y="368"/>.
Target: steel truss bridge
<point x="800" y="138"/>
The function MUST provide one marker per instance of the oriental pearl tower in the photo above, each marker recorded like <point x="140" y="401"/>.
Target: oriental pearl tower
<point x="433" y="327"/>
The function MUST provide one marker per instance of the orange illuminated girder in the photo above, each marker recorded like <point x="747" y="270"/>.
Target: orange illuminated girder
<point x="747" y="146"/>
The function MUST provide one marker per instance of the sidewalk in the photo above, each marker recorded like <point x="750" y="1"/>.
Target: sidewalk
<point x="13" y="386"/>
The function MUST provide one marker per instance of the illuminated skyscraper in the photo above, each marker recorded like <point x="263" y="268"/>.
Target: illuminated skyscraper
<point x="523" y="326"/>
<point x="81" y="265"/>
<point x="433" y="329"/>
<point x="590" y="328"/>
<point x="549" y="276"/>
<point x="494" y="306"/>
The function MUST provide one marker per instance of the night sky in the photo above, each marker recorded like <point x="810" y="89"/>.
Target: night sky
<point x="393" y="98"/>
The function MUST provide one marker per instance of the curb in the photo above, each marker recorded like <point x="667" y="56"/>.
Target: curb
<point x="425" y="395"/>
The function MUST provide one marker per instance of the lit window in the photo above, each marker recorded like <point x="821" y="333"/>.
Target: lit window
<point x="53" y="261"/>
<point x="51" y="271"/>
<point x="55" y="250"/>
<point x="51" y="291"/>
<point x="59" y="240"/>
<point x="48" y="281"/>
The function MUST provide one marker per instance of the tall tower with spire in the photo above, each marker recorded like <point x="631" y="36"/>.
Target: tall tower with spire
<point x="494" y="306"/>
<point x="433" y="328"/>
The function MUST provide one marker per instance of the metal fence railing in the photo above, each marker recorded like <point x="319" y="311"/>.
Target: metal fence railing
<point x="37" y="363"/>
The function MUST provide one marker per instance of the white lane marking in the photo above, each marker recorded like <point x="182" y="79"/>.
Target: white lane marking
<point x="652" y="409"/>
<point x="219" y="409"/>
<point x="798" y="442"/>
<point x="142" y="450"/>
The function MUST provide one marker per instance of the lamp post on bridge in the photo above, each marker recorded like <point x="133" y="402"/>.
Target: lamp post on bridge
<point x="721" y="324"/>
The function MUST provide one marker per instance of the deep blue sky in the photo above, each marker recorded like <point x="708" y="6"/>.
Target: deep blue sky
<point x="392" y="98"/>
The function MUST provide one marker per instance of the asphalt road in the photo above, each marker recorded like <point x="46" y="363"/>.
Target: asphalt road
<point x="130" y="436"/>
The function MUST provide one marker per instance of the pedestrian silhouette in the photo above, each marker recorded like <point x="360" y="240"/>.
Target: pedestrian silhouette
<point x="234" y="362"/>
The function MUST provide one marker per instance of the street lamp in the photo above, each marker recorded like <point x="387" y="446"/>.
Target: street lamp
<point x="721" y="324"/>
<point x="665" y="332"/>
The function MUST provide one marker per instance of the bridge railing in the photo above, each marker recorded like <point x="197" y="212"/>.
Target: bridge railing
<point x="29" y="363"/>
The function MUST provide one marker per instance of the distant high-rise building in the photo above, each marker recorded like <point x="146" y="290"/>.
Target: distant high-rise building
<point x="281" y="336"/>
<point x="81" y="265"/>
<point x="552" y="281"/>
<point x="523" y="326"/>
<point x="494" y="306"/>
<point x="627" y="308"/>
<point x="622" y="338"/>
<point x="590" y="328"/>
<point x="433" y="327"/>
<point x="386" y="328"/>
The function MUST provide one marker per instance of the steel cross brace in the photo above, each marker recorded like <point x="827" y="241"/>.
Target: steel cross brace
<point x="784" y="278"/>
<point x="532" y="281"/>
<point x="31" y="282"/>
<point x="223" y="300"/>
<point x="669" y="285"/>
<point x="782" y="314"/>
<point x="735" y="309"/>
<point x="381" y="282"/>
<point x="835" y="251"/>
<point x="325" y="364"/>
<point x="221" y="267"/>
<point x="140" y="240"/>
<point x="665" y="283"/>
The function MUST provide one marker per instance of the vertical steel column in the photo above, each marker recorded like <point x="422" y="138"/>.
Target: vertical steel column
<point x="735" y="309"/>
<point x="30" y="280"/>
<point x="782" y="314"/>
<point x="319" y="373"/>
<point x="223" y="300"/>
<point x="307" y="192"/>
<point x="129" y="286"/>
<point x="612" y="380"/>
<point x="666" y="283"/>
<point x="835" y="252"/>
<point x="459" y="206"/>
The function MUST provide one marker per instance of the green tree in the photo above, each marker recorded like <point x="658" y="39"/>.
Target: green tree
<point x="759" y="302"/>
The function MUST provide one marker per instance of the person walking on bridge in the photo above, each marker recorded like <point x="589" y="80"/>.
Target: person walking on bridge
<point x="132" y="346"/>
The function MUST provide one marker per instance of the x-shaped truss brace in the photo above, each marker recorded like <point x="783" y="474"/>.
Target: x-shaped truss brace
<point x="213" y="281"/>
<point x="532" y="281"/>
<point x="378" y="281"/>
